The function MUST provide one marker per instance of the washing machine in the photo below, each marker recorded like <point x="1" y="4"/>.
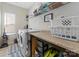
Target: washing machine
<point x="22" y="42"/>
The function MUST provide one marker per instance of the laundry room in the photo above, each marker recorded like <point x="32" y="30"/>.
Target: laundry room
<point x="39" y="29"/>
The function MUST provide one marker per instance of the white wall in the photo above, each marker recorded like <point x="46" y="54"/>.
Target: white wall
<point x="0" y="19"/>
<point x="20" y="15"/>
<point x="38" y="21"/>
<point x="71" y="9"/>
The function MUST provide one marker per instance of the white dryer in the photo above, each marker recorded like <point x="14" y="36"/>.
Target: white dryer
<point x="22" y="42"/>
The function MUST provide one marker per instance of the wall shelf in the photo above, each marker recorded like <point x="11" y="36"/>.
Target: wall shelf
<point x="46" y="7"/>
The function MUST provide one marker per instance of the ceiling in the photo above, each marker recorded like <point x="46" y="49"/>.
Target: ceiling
<point x="25" y="5"/>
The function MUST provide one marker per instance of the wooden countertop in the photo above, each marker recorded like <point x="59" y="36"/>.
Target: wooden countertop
<point x="45" y="35"/>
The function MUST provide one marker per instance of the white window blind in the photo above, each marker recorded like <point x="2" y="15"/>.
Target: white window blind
<point x="9" y="22"/>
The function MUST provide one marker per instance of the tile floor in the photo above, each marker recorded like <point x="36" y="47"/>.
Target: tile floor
<point x="6" y="52"/>
<point x="12" y="50"/>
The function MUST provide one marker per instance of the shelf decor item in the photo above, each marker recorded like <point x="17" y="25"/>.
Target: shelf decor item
<point x="48" y="17"/>
<point x="42" y="9"/>
<point x="55" y="5"/>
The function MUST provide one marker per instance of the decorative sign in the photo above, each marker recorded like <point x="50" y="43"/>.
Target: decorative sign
<point x="48" y="17"/>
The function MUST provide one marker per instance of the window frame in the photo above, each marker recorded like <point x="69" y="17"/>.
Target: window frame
<point x="5" y="24"/>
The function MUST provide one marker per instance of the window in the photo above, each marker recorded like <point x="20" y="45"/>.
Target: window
<point x="9" y="22"/>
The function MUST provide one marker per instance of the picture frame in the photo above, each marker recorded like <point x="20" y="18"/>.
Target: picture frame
<point x="48" y="17"/>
